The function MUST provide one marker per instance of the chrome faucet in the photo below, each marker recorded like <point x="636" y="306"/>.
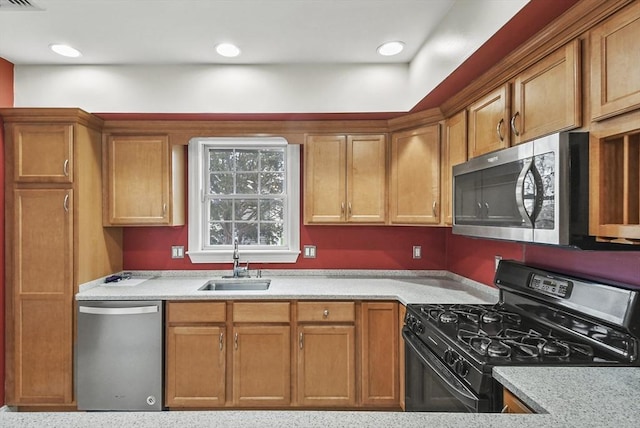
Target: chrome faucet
<point x="238" y="271"/>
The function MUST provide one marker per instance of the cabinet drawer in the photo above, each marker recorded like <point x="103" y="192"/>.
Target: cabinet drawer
<point x="326" y="311"/>
<point x="196" y="312"/>
<point x="261" y="312"/>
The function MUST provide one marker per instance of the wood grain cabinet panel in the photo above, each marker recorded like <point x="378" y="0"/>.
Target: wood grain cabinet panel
<point x="547" y="96"/>
<point x="454" y="152"/>
<point x="43" y="153"/>
<point x="144" y="181"/>
<point x="489" y="122"/>
<point x="379" y="354"/>
<point x="345" y="179"/>
<point x="615" y="61"/>
<point x="414" y="184"/>
<point x="511" y="404"/>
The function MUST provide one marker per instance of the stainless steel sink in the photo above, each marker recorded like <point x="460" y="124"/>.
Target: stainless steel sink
<point x="237" y="284"/>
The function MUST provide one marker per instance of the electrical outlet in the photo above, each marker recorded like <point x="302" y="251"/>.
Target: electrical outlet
<point x="497" y="261"/>
<point x="177" y="252"/>
<point x="309" y="252"/>
<point x="417" y="252"/>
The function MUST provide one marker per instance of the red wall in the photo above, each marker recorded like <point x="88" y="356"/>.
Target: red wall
<point x="6" y="100"/>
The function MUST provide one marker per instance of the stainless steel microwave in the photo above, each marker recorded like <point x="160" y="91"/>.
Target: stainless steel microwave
<point x="533" y="192"/>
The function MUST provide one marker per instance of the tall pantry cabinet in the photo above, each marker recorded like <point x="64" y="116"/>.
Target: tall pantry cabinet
<point x="54" y="242"/>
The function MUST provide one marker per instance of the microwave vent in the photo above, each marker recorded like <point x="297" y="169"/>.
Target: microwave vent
<point x="18" y="5"/>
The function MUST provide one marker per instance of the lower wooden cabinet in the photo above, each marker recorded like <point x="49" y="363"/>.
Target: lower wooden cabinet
<point x="511" y="404"/>
<point x="341" y="354"/>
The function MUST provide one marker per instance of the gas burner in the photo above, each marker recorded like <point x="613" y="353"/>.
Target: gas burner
<point x="448" y="317"/>
<point x="490" y="317"/>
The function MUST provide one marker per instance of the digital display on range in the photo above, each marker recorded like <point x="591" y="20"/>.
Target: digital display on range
<point x="550" y="286"/>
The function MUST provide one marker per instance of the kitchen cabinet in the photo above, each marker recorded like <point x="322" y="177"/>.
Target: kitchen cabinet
<point x="195" y="354"/>
<point x="345" y="179"/>
<point x="326" y="354"/>
<point x="261" y="354"/>
<point x="414" y="184"/>
<point x="547" y="96"/>
<point x="54" y="242"/>
<point x="546" y="99"/>
<point x="488" y="122"/>
<point x="402" y="312"/>
<point x="379" y="354"/>
<point x="615" y="60"/>
<point x="454" y="151"/>
<point x="614" y="204"/>
<point x="144" y="181"/>
<point x="511" y="404"/>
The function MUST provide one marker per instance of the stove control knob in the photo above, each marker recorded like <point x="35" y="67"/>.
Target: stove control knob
<point x="418" y="327"/>
<point x="450" y="356"/>
<point x="461" y="367"/>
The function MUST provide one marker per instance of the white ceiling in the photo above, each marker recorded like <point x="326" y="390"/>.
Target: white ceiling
<point x="186" y="31"/>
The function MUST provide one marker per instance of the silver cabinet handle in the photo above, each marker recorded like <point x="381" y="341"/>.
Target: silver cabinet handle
<point x="134" y="310"/>
<point x="434" y="207"/>
<point x="325" y="314"/>
<point x="350" y="210"/>
<point x="342" y="208"/>
<point x="221" y="341"/>
<point x="65" y="203"/>
<point x="499" y="129"/>
<point x="65" y="167"/>
<point x="505" y="409"/>
<point x="513" y="124"/>
<point x="235" y="340"/>
<point x="301" y="340"/>
<point x="164" y="210"/>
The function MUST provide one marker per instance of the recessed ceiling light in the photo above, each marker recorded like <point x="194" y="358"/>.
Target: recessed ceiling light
<point x="227" y="49"/>
<point x="65" y="50"/>
<point x="390" y="48"/>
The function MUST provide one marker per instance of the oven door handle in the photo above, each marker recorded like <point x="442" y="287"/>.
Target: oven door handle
<point x="460" y="391"/>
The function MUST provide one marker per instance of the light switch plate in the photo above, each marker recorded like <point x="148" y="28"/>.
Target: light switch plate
<point x="177" y="252"/>
<point x="309" y="252"/>
<point x="417" y="252"/>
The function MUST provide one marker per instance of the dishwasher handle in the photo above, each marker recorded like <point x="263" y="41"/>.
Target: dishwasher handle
<point x="132" y="310"/>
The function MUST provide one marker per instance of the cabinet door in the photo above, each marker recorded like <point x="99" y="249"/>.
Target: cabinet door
<point x="488" y="122"/>
<point x="43" y="153"/>
<point x="512" y="404"/>
<point x="402" y="311"/>
<point x="414" y="189"/>
<point x="195" y="362"/>
<point x="366" y="178"/>
<point x="325" y="179"/>
<point x="43" y="298"/>
<point x="547" y="96"/>
<point x="326" y="365"/>
<point x="261" y="365"/>
<point x="615" y="61"/>
<point x="139" y="181"/>
<point x="454" y="151"/>
<point x="379" y="353"/>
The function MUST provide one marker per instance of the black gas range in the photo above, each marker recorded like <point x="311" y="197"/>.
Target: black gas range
<point x="542" y="318"/>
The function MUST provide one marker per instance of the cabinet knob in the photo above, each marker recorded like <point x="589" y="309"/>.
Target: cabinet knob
<point x="325" y="314"/>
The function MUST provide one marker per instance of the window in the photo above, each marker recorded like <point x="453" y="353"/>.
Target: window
<point x="246" y="188"/>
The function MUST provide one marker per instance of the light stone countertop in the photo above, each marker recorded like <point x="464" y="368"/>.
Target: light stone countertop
<point x="566" y="397"/>
<point x="403" y="286"/>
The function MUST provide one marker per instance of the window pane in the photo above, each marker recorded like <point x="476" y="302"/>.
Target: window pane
<point x="246" y="210"/>
<point x="272" y="183"/>
<point x="221" y="160"/>
<point x="272" y="160"/>
<point x="272" y="210"/>
<point x="247" y="183"/>
<point x="271" y="234"/>
<point x="220" y="233"/>
<point x="247" y="233"/>
<point x="221" y="184"/>
<point x="247" y="160"/>
<point x="221" y="209"/>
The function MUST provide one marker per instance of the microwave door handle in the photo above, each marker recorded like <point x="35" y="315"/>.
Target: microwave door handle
<point x="520" y="194"/>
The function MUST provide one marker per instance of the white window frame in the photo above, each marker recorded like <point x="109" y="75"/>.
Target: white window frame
<point x="197" y="225"/>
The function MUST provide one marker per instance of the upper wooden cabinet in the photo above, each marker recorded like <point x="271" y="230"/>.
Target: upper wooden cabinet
<point x="615" y="61"/>
<point x="546" y="99"/>
<point x="489" y="122"/>
<point x="345" y="178"/>
<point x="144" y="181"/>
<point x="614" y="204"/>
<point x="454" y="151"/>
<point x="547" y="96"/>
<point x="43" y="153"/>
<point x="414" y="184"/>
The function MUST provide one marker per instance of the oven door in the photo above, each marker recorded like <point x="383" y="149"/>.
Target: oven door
<point x="431" y="386"/>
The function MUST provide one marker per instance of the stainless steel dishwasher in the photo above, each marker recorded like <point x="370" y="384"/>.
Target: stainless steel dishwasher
<point x="119" y="364"/>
